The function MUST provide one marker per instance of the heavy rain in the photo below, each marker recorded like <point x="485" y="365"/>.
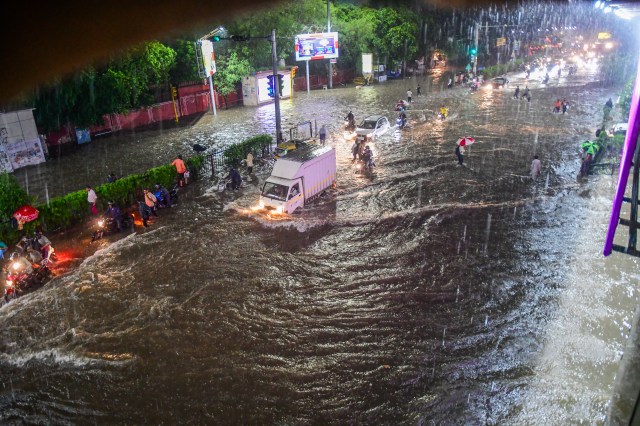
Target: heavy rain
<point x="419" y="292"/>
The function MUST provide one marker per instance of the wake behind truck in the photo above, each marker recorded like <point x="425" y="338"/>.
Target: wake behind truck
<point x="298" y="178"/>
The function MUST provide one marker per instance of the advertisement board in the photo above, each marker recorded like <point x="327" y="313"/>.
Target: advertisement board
<point x="310" y="47"/>
<point x="367" y="63"/>
<point x="208" y="57"/>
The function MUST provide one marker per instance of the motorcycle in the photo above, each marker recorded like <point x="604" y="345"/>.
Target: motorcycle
<point x="474" y="86"/>
<point x="173" y="193"/>
<point x="442" y="116"/>
<point x="107" y="226"/>
<point x="19" y="281"/>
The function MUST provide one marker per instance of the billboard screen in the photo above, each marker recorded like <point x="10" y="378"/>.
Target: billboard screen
<point x="310" y="47"/>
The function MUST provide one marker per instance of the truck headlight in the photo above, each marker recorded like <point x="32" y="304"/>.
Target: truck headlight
<point x="280" y="209"/>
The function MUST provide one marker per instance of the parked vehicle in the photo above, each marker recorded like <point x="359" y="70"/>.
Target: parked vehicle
<point x="297" y="179"/>
<point x="372" y="127"/>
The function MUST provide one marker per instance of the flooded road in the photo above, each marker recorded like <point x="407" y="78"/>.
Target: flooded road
<point x="423" y="293"/>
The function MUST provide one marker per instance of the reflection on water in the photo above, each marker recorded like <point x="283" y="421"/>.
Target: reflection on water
<point x="420" y="292"/>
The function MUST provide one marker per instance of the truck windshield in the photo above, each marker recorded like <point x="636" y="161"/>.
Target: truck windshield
<point x="275" y="191"/>
<point x="368" y="125"/>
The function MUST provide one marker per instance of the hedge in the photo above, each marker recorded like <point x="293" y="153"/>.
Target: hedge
<point x="238" y="152"/>
<point x="66" y="210"/>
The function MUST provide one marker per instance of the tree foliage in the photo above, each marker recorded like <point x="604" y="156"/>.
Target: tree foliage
<point x="231" y="70"/>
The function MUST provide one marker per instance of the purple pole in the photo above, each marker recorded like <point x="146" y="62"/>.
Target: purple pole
<point x="630" y="141"/>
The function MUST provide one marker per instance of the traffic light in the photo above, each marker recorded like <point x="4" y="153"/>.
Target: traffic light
<point x="473" y="51"/>
<point x="271" y="88"/>
<point x="293" y="72"/>
<point x="174" y="92"/>
<point x="215" y="38"/>
<point x="281" y="84"/>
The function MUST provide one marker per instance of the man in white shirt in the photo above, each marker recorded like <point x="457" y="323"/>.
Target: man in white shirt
<point x="536" y="168"/>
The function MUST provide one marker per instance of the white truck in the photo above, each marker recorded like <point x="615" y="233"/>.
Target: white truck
<point x="299" y="177"/>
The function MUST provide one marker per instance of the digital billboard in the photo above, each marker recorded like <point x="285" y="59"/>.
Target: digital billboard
<point x="310" y="47"/>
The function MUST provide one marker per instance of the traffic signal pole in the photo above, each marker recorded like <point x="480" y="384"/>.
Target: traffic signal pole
<point x="276" y="98"/>
<point x="475" y="44"/>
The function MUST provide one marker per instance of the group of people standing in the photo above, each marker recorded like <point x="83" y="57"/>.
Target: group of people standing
<point x="561" y="105"/>
<point x="151" y="201"/>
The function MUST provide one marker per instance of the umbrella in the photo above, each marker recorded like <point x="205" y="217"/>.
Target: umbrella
<point x="465" y="141"/>
<point x="26" y="214"/>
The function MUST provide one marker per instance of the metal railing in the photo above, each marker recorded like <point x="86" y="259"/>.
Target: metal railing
<point x="221" y="157"/>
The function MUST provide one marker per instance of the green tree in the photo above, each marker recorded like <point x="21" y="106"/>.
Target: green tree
<point x="231" y="70"/>
<point x="185" y="67"/>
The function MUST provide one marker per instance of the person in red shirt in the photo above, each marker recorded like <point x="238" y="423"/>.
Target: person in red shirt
<point x="181" y="169"/>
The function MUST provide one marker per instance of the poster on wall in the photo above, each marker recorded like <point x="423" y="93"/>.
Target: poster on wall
<point x="20" y="143"/>
<point x="25" y="153"/>
<point x="311" y="47"/>
<point x="5" y="164"/>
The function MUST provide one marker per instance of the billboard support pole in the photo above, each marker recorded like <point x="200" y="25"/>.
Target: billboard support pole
<point x="329" y="30"/>
<point x="276" y="98"/>
<point x="307" y="64"/>
<point x="213" y="97"/>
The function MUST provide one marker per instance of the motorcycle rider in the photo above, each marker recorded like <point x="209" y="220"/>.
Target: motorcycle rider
<point x="164" y="198"/>
<point x="44" y="244"/>
<point x="351" y="121"/>
<point x="443" y="112"/>
<point x="116" y="215"/>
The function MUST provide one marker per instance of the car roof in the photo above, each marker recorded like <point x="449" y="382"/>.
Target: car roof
<point x="373" y="117"/>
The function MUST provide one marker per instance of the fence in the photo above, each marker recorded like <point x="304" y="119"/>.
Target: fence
<point x="221" y="157"/>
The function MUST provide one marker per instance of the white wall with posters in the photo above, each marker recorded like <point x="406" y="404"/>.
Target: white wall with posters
<point x="20" y="143"/>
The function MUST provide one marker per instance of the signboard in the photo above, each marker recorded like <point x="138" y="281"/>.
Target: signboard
<point x="310" y="47"/>
<point x="367" y="63"/>
<point x="208" y="57"/>
<point x="83" y="136"/>
<point x="501" y="41"/>
<point x="333" y="61"/>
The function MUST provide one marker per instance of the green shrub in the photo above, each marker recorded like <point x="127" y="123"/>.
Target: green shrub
<point x="236" y="153"/>
<point x="12" y="196"/>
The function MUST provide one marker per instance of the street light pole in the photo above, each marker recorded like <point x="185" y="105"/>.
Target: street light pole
<point x="276" y="98"/>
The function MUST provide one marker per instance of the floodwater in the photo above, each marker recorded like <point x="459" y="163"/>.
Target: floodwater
<point x="422" y="293"/>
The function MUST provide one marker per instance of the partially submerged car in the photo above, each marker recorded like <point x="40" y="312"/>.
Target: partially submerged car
<point x="372" y="127"/>
<point x="497" y="83"/>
